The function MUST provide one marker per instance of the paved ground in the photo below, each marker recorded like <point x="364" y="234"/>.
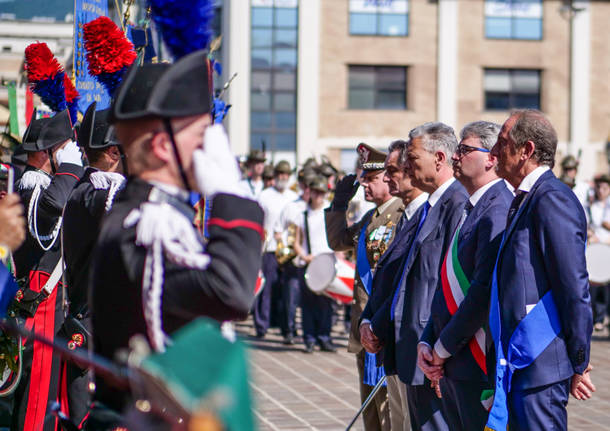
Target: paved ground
<point x="297" y="391"/>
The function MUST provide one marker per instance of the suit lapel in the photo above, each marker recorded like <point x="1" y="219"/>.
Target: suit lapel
<point x="511" y="228"/>
<point x="480" y="208"/>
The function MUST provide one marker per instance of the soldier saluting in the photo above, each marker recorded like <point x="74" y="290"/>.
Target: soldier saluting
<point x="370" y="236"/>
<point x="151" y="273"/>
<point x="54" y="165"/>
<point x="91" y="198"/>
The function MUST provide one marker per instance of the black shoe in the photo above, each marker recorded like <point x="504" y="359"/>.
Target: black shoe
<point x="327" y="346"/>
<point x="260" y="335"/>
<point x="288" y="340"/>
<point x="308" y="348"/>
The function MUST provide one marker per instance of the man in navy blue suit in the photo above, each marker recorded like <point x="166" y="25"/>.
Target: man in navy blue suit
<point x="429" y="153"/>
<point x="460" y="308"/>
<point x="388" y="265"/>
<point x="540" y="311"/>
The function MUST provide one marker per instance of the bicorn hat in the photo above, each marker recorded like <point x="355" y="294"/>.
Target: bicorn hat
<point x="95" y="131"/>
<point x="45" y="133"/>
<point x="163" y="90"/>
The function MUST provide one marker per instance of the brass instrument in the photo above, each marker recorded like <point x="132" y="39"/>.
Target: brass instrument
<point x="284" y="252"/>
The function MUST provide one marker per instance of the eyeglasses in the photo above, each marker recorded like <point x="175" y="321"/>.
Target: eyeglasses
<point x="463" y="149"/>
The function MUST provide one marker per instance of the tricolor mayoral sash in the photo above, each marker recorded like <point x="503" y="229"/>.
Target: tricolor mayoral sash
<point x="455" y="288"/>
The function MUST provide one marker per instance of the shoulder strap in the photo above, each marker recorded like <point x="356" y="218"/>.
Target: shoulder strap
<point x="49" y="286"/>
<point x="307" y="231"/>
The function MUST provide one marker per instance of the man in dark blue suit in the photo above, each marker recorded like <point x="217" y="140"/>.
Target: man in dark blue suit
<point x="460" y="308"/>
<point x="540" y="277"/>
<point x="388" y="265"/>
<point x="430" y="149"/>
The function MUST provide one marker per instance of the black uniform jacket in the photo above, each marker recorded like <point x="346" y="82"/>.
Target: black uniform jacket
<point x="81" y="227"/>
<point x="223" y="291"/>
<point x="30" y="256"/>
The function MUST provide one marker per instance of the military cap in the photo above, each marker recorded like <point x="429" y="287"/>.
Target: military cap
<point x="256" y="156"/>
<point x="306" y="174"/>
<point x="370" y="158"/>
<point x="164" y="90"/>
<point x="569" y="162"/>
<point x="268" y="172"/>
<point x="95" y="131"/>
<point x="326" y="169"/>
<point x="282" y="167"/>
<point x="319" y="183"/>
<point x="45" y="133"/>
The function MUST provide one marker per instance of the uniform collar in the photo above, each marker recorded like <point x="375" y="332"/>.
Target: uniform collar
<point x="436" y="195"/>
<point x="476" y="196"/>
<point x="531" y="178"/>
<point x="171" y="190"/>
<point x="384" y="206"/>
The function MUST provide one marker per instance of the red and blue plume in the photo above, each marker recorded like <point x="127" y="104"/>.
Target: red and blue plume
<point x="45" y="76"/>
<point x="185" y="24"/>
<point x="109" y="52"/>
<point x="72" y="97"/>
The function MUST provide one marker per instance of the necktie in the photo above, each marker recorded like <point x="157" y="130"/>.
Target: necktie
<point x="514" y="207"/>
<point x="422" y="218"/>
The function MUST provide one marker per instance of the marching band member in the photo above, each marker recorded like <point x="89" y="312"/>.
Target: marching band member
<point x="455" y="334"/>
<point x="310" y="242"/>
<point x="254" y="184"/>
<point x="151" y="273"/>
<point x="272" y="200"/>
<point x="285" y="235"/>
<point x="370" y="236"/>
<point x="540" y="311"/>
<point x="54" y="166"/>
<point x="91" y="198"/>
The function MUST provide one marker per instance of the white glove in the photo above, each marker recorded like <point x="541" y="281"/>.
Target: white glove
<point x="69" y="154"/>
<point x="216" y="169"/>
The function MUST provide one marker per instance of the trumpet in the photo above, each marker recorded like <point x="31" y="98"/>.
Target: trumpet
<point x="284" y="252"/>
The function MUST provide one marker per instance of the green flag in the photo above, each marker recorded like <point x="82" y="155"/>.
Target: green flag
<point x="12" y="106"/>
<point x="201" y="377"/>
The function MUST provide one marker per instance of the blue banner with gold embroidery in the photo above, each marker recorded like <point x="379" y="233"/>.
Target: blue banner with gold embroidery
<point x="90" y="90"/>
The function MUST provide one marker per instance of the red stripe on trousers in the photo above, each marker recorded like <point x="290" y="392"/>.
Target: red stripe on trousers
<point x="63" y="390"/>
<point x="42" y="357"/>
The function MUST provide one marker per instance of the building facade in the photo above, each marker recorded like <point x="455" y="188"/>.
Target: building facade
<point x="319" y="76"/>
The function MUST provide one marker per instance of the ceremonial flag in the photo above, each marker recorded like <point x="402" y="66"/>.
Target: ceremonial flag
<point x="89" y="88"/>
<point x="12" y="106"/>
<point x="8" y="289"/>
<point x="203" y="374"/>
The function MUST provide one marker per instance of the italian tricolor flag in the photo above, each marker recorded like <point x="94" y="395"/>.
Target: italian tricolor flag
<point x="455" y="288"/>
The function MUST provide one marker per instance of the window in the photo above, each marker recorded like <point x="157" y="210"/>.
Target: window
<point x="274" y="43"/>
<point x="513" y="19"/>
<point x="377" y="87"/>
<point x="379" y="17"/>
<point x="507" y="89"/>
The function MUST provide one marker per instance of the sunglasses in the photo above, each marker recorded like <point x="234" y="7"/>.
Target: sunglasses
<point x="463" y="149"/>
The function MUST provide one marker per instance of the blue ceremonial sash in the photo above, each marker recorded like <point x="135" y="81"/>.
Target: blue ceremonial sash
<point x="531" y="337"/>
<point x="8" y="289"/>
<point x="372" y="373"/>
<point x="363" y="266"/>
